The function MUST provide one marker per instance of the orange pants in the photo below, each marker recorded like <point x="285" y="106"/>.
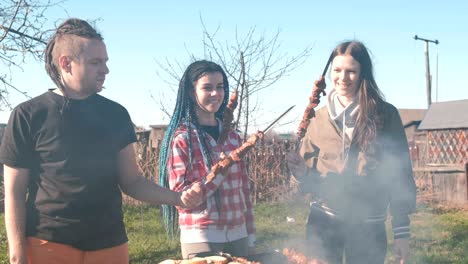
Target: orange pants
<point x="42" y="251"/>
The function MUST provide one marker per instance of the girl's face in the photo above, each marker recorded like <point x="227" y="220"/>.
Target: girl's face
<point x="345" y="75"/>
<point x="208" y="95"/>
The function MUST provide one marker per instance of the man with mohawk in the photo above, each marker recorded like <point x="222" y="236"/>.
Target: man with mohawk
<point x="67" y="156"/>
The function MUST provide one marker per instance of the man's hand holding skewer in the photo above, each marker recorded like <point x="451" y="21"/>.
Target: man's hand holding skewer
<point x="192" y="197"/>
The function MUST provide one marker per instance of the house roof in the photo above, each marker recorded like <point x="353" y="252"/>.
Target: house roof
<point x="411" y="116"/>
<point x="158" y="126"/>
<point x="446" y="115"/>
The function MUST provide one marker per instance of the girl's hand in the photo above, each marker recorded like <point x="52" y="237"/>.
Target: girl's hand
<point x="296" y="164"/>
<point x="401" y="250"/>
<point x="251" y="251"/>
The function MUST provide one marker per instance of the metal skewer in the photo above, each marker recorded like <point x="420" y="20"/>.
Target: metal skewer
<point x="276" y="120"/>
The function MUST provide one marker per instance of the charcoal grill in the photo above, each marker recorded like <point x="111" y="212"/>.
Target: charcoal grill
<point x="270" y="257"/>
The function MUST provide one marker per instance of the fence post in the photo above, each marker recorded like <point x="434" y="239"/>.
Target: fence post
<point x="466" y="180"/>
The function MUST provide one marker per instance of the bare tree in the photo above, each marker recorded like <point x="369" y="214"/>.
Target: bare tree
<point x="252" y="62"/>
<point x="22" y="34"/>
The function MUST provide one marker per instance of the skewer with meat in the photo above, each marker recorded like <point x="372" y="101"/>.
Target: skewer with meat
<point x="228" y="116"/>
<point x="314" y="100"/>
<point x="221" y="167"/>
<point x="211" y="260"/>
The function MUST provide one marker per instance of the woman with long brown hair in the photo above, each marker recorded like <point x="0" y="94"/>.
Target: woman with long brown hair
<point x="354" y="160"/>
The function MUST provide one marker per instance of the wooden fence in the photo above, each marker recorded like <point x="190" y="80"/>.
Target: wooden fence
<point x="446" y="184"/>
<point x="440" y="166"/>
<point x="270" y="179"/>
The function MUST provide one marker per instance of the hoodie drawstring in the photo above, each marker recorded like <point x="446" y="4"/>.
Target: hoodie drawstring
<point x="343" y="136"/>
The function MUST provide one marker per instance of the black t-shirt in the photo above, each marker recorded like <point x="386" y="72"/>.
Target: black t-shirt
<point x="211" y="130"/>
<point x="73" y="193"/>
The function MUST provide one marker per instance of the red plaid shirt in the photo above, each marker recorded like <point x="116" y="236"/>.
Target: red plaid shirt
<point x="235" y="219"/>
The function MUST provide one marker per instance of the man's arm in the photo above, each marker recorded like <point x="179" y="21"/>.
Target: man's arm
<point x="16" y="184"/>
<point x="135" y="185"/>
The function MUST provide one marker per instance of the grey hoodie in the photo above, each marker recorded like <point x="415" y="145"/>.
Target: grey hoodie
<point x="344" y="117"/>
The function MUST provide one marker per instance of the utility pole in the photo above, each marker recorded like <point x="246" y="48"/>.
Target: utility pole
<point x="428" y="72"/>
<point x="437" y="75"/>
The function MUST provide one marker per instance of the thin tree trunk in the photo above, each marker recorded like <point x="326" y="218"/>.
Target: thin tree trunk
<point x="242" y="85"/>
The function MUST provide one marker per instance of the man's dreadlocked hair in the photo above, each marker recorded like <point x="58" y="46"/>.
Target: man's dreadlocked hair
<point x="184" y="113"/>
<point x="64" y="40"/>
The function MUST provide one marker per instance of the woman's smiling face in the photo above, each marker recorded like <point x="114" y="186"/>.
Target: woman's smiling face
<point x="209" y="94"/>
<point x="345" y="75"/>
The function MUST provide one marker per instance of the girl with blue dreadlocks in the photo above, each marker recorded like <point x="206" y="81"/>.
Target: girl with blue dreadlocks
<point x="195" y="141"/>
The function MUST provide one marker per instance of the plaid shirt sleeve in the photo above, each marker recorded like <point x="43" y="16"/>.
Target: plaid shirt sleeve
<point x="181" y="176"/>
<point x="249" y="214"/>
<point x="177" y="163"/>
<point x="181" y="173"/>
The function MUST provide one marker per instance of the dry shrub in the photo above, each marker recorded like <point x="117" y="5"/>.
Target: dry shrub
<point x="147" y="159"/>
<point x="425" y="187"/>
<point x="270" y="178"/>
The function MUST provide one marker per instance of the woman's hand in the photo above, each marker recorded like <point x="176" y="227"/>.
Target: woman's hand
<point x="401" y="250"/>
<point x="296" y="164"/>
<point x="251" y="250"/>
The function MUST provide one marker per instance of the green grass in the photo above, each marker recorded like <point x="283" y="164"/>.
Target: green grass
<point x="439" y="236"/>
<point x="148" y="243"/>
<point x="147" y="239"/>
<point x="3" y="242"/>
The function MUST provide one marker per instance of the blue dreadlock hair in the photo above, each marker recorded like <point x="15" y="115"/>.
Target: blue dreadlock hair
<point x="184" y="112"/>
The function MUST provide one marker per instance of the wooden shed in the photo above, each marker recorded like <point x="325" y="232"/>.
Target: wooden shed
<point x="446" y="125"/>
<point x="411" y="118"/>
<point x="149" y="141"/>
<point x="445" y="156"/>
<point x="157" y="135"/>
